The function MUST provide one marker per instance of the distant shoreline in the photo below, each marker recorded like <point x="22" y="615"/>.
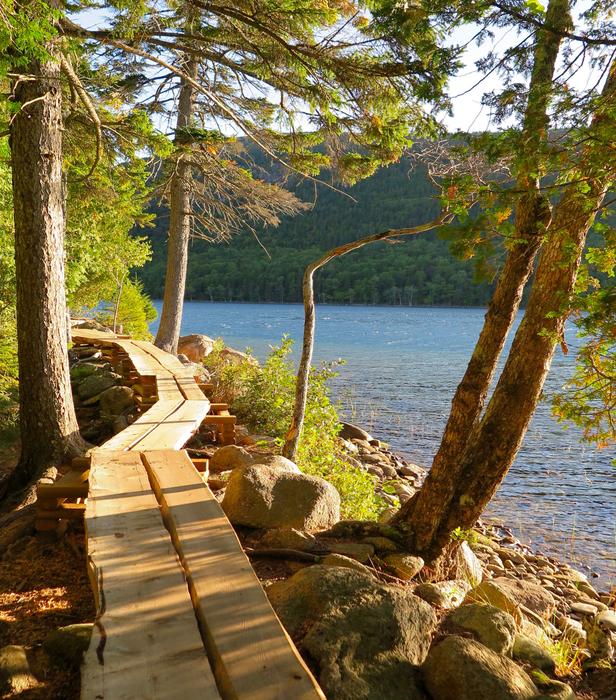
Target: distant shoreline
<point x="328" y="303"/>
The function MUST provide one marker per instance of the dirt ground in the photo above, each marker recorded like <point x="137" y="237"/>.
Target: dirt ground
<point x="43" y="586"/>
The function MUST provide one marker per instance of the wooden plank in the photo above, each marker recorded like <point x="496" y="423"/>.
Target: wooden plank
<point x="144" y="425"/>
<point x="253" y="657"/>
<point x="183" y="376"/>
<point x="66" y="511"/>
<point x="92" y="337"/>
<point x="176" y="429"/>
<point x="145" y="644"/>
<point x="145" y="364"/>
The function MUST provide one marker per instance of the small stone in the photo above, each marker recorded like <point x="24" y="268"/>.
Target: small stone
<point x="443" y="594"/>
<point x="405" y="566"/>
<point x="551" y="689"/>
<point x="67" y="645"/>
<point x="607" y="619"/>
<point x="492" y="627"/>
<point x="360" y="552"/>
<point x="375" y="471"/>
<point x="353" y="432"/>
<point x="469" y="566"/>
<point x="386" y="516"/>
<point x="346" y="562"/>
<point x="15" y="674"/>
<point x="529" y="651"/>
<point x="381" y="544"/>
<point x="288" y="538"/>
<point x="583" y="608"/>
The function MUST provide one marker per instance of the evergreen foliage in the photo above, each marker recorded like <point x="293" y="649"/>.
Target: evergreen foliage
<point x="415" y="272"/>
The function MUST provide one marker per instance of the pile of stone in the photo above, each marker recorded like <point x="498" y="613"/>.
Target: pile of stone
<point x="103" y="405"/>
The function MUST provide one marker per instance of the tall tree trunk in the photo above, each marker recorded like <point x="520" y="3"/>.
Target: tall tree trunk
<point x="495" y="441"/>
<point x="532" y="217"/>
<point x="179" y="224"/>
<point x="47" y="417"/>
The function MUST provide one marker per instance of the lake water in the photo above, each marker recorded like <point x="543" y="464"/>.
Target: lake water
<point x="402" y="368"/>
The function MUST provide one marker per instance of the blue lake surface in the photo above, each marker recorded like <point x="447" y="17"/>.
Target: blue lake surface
<point x="402" y="367"/>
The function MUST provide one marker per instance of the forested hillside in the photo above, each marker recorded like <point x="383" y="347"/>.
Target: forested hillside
<point x="418" y="271"/>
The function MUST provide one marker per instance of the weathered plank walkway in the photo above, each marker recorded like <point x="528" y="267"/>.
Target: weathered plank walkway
<point x="180" y="611"/>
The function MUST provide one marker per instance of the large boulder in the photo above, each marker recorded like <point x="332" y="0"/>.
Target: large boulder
<point x="466" y="670"/>
<point x="115" y="400"/>
<point x="277" y="462"/>
<point x="67" y="645"/>
<point x="366" y="638"/>
<point x="195" y="346"/>
<point x="264" y="497"/>
<point x="490" y="593"/>
<point x="492" y="627"/>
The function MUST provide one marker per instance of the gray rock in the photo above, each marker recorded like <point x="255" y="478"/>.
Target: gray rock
<point x="607" y="619"/>
<point x="360" y="552"/>
<point x="583" y="608"/>
<point x="15" y="674"/>
<point x="469" y="566"/>
<point x="277" y="462"/>
<point x="352" y="432"/>
<point x="345" y="562"/>
<point x="195" y="346"/>
<point x="531" y="652"/>
<point x="466" y="670"/>
<point x="492" y="627"/>
<point x="288" y="538"/>
<point x="229" y="457"/>
<point x="264" y="497"/>
<point x="551" y="689"/>
<point x="381" y="544"/>
<point x="94" y="384"/>
<point x="404" y="566"/>
<point x="115" y="400"/>
<point x="364" y="637"/>
<point x="488" y="592"/>
<point x="444" y="594"/>
<point x="67" y="645"/>
<point x="531" y="595"/>
<point x="86" y="369"/>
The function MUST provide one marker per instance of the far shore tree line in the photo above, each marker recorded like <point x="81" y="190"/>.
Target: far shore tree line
<point x="328" y="92"/>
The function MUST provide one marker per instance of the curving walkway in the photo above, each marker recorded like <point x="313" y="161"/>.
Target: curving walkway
<point x="180" y="611"/>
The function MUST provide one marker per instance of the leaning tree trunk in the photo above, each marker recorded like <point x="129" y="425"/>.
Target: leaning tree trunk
<point x="495" y="441"/>
<point x="532" y="217"/>
<point x="303" y="373"/>
<point x="179" y="224"/>
<point x="48" y="425"/>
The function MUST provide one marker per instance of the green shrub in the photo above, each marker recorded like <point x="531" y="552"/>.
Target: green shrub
<point x="134" y="314"/>
<point x="263" y="397"/>
<point x="8" y="379"/>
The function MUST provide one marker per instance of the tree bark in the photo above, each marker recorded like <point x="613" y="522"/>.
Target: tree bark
<point x="495" y="441"/>
<point x="532" y="217"/>
<point x="179" y="224"/>
<point x="48" y="425"/>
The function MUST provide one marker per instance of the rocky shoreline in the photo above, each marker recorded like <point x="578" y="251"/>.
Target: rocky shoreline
<point x="367" y="615"/>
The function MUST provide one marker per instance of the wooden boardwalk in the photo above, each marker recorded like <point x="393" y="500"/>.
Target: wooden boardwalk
<point x="180" y="611"/>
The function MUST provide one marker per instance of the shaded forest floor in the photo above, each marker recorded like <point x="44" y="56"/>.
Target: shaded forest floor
<point x="43" y="586"/>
